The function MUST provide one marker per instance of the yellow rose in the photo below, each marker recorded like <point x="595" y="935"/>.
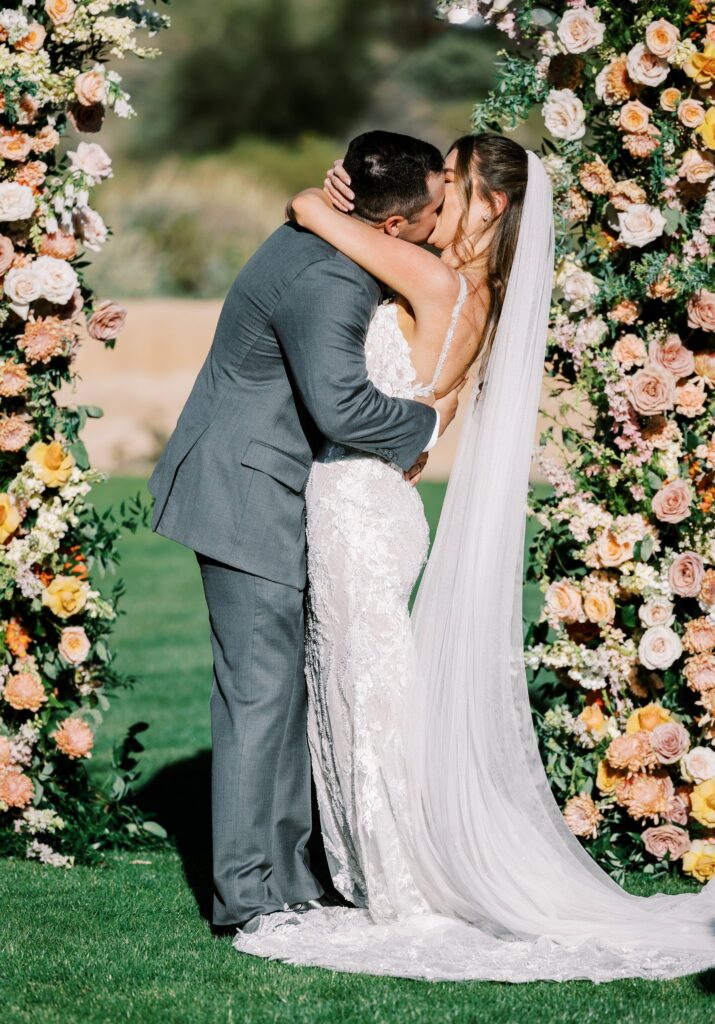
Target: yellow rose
<point x="701" y="66"/>
<point x="9" y="517"/>
<point x="706" y="131"/>
<point x="607" y="778"/>
<point x="65" y="596"/>
<point x="699" y="861"/>
<point x="53" y="464"/>
<point x="702" y="803"/>
<point x="647" y="718"/>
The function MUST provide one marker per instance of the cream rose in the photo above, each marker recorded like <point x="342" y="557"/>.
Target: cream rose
<point x="659" y="647"/>
<point x="661" y="38"/>
<point x="685" y="575"/>
<point x="579" y="31"/>
<point x="58" y="278"/>
<point x="17" y="202"/>
<point x="701" y="310"/>
<point x="640" y="224"/>
<point x="645" y="67"/>
<point x="60" y="11"/>
<point x="91" y="88"/>
<point x="698" y="765"/>
<point x="657" y="612"/>
<point x="74" y="645"/>
<point x="579" y="288"/>
<point x="563" y="601"/>
<point x="672" y="355"/>
<point x="695" y="167"/>
<point x="23" y="285"/>
<point x="92" y="159"/>
<point x="652" y="390"/>
<point x="671" y="504"/>
<point x="691" y="113"/>
<point x="564" y="114"/>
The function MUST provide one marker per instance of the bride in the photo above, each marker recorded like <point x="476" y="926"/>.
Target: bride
<point x="438" y="820"/>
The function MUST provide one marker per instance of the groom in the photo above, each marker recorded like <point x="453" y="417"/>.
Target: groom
<point x="286" y="370"/>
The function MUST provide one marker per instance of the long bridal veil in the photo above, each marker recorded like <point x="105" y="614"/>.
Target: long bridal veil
<point x="490" y="845"/>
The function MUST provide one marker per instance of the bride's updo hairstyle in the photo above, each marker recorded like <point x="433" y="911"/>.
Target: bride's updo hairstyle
<point x="490" y="163"/>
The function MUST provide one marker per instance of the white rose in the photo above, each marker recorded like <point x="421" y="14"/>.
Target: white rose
<point x="657" y="612"/>
<point x="92" y="159"/>
<point x="644" y="67"/>
<point x="640" y="224"/>
<point x="91" y="228"/>
<point x="590" y="331"/>
<point x="17" y="202"/>
<point x="58" y="277"/>
<point x="578" y="30"/>
<point x="564" y="114"/>
<point x="698" y="765"/>
<point x="22" y="286"/>
<point x="659" y="647"/>
<point x="579" y="289"/>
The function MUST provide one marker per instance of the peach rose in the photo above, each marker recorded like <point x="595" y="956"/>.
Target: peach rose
<point x="672" y="503"/>
<point x="670" y="98"/>
<point x="695" y="167"/>
<point x="672" y="355"/>
<point x="599" y="606"/>
<point x="702" y="803"/>
<point x="563" y="601"/>
<point x="15" y="432"/>
<point x="630" y="351"/>
<point x="647" y="718"/>
<point x="705" y="365"/>
<point x="34" y="40"/>
<point x="91" y="88"/>
<point x="691" y="113"/>
<point x="657" y="612"/>
<point x="16" y="789"/>
<point x="685" y="575"/>
<point x="699" y="636"/>
<point x="701" y="310"/>
<point x="699" y="861"/>
<point x="74" y="738"/>
<point x="60" y="11"/>
<point x="631" y="752"/>
<point x="10" y="517"/>
<point x="106" y="321"/>
<point x="661" y="38"/>
<point x="17" y="638"/>
<point x="46" y="139"/>
<point x="32" y="174"/>
<point x="52" y="464"/>
<point x="690" y="398"/>
<point x="65" y="596"/>
<point x="15" y="145"/>
<point x="23" y="691"/>
<point x="651" y="390"/>
<point x="644" y="67"/>
<point x="13" y="379"/>
<point x="613" y="551"/>
<point x="582" y="816"/>
<point x="646" y="796"/>
<point x="660" y="840"/>
<point x="670" y="741"/>
<point x="699" y="672"/>
<point x="634" y="116"/>
<point x="74" y="645"/>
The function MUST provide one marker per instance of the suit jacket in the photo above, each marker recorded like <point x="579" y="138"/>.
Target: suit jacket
<point x="286" y="369"/>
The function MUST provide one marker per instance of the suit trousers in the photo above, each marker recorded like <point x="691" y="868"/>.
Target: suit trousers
<point x="260" y="773"/>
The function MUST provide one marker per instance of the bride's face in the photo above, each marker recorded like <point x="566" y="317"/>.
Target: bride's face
<point x="445" y="230"/>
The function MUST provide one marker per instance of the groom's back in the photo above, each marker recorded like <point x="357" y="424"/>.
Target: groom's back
<point x="244" y="415"/>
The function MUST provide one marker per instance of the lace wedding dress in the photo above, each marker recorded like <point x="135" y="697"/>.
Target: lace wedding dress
<point x="438" y="821"/>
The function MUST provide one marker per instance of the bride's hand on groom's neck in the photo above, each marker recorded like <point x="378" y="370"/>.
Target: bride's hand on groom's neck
<point x="303" y="202"/>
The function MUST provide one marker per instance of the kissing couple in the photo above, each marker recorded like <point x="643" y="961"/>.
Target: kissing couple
<point x="291" y="474"/>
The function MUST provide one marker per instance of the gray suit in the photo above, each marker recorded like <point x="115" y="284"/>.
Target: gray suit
<point x="286" y="369"/>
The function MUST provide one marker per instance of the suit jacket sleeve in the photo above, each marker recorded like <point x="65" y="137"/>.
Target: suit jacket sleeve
<point x="321" y="322"/>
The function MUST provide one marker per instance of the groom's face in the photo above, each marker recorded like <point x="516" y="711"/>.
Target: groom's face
<point x="423" y="223"/>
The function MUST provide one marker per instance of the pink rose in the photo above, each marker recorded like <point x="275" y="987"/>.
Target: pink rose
<point x="672" y="355"/>
<point x="652" y="390"/>
<point x="671" y="504"/>
<point x="107" y="321"/>
<point x="701" y="310"/>
<point x="669" y="741"/>
<point x="661" y="839"/>
<point x="685" y="575"/>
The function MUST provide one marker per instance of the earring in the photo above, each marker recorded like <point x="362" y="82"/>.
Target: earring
<point x="485" y="218"/>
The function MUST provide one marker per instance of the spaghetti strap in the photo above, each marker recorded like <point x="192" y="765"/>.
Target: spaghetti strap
<point x="429" y="388"/>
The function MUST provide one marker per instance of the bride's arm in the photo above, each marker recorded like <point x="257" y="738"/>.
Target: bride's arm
<point x="404" y="267"/>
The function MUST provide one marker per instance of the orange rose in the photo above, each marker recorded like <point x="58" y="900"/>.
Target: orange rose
<point x="634" y="116"/>
<point x="612" y="551"/>
<point x="691" y="113"/>
<point x="17" y="638"/>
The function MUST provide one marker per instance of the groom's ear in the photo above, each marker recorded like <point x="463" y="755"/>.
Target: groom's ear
<point x="394" y="226"/>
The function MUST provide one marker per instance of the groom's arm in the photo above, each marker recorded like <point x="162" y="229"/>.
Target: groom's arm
<point x="321" y="322"/>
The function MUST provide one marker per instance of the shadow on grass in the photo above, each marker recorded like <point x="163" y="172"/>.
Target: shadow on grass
<point x="706" y="981"/>
<point x="179" y="798"/>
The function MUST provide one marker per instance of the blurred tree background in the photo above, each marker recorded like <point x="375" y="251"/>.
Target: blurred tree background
<point x="252" y="101"/>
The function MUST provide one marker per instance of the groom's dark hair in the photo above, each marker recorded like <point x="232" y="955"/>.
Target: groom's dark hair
<point x="388" y="174"/>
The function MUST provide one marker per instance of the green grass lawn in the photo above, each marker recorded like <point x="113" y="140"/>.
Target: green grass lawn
<point x="127" y="941"/>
